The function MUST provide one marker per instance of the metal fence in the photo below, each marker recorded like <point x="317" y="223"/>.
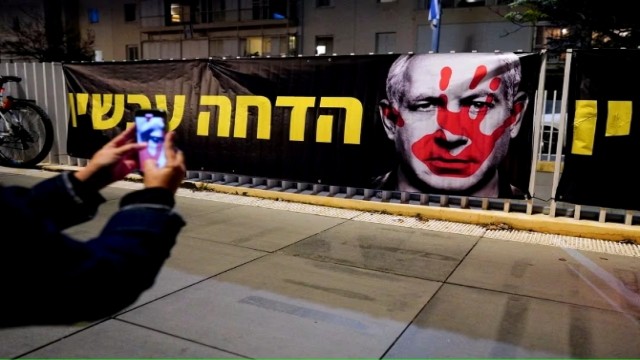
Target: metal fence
<point x="44" y="83"/>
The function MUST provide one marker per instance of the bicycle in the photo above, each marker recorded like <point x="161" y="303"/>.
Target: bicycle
<point x="26" y="131"/>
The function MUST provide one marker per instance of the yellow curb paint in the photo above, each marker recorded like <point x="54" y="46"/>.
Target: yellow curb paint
<point x="538" y="223"/>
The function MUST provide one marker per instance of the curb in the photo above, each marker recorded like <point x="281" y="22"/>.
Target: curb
<point x="535" y="223"/>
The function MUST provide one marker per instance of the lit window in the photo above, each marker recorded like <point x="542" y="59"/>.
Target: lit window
<point x="254" y="46"/>
<point x="179" y="13"/>
<point x="292" y="45"/>
<point x="324" y="45"/>
<point x="176" y="13"/>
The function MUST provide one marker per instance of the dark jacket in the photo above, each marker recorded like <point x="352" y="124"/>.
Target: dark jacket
<point x="50" y="278"/>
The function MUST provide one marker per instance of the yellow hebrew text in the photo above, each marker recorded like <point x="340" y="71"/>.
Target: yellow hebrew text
<point x="353" y="119"/>
<point x="83" y="103"/>
<point x="141" y="100"/>
<point x="300" y="105"/>
<point x="107" y="110"/>
<point x="101" y="105"/>
<point x="72" y="107"/>
<point x="263" y="106"/>
<point x="179" y="102"/>
<point x="77" y="106"/>
<point x="324" y="128"/>
<point x="224" y="115"/>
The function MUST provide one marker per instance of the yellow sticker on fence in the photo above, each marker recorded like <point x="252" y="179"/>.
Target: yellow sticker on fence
<point x="584" y="127"/>
<point x="618" y="118"/>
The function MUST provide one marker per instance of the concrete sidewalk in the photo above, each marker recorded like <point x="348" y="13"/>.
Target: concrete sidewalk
<point x="260" y="278"/>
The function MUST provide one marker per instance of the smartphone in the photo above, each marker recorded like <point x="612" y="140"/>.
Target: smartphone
<point x="151" y="127"/>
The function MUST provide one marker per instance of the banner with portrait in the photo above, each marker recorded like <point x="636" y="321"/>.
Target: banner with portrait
<point x="602" y="136"/>
<point x="306" y="119"/>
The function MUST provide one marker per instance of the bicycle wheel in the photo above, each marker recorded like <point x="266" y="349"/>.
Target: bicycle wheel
<point x="29" y="137"/>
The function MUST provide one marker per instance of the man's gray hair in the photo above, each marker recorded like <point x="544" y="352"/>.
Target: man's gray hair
<point x="397" y="76"/>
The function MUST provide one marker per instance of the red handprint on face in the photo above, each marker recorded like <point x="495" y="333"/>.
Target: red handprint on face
<point x="459" y="147"/>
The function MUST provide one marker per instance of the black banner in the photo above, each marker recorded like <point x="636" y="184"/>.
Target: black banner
<point x="103" y="96"/>
<point x="321" y="119"/>
<point x="602" y="138"/>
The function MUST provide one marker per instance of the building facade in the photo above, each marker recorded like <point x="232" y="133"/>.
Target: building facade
<point x="164" y="29"/>
<point x="204" y="28"/>
<point x="378" y="26"/>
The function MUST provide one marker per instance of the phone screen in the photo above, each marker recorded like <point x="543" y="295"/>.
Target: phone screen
<point x="151" y="128"/>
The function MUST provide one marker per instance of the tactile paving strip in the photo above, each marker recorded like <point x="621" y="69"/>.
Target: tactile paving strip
<point x="222" y="197"/>
<point x="310" y="209"/>
<point x="271" y="204"/>
<point x="602" y="246"/>
<point x="416" y="223"/>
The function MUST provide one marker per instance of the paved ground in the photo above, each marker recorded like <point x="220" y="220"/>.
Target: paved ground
<point x="259" y="278"/>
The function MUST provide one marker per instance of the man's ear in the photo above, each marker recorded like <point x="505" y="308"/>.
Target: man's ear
<point x="389" y="116"/>
<point x="520" y="103"/>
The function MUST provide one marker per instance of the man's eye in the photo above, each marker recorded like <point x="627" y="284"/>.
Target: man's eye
<point x="421" y="106"/>
<point x="479" y="105"/>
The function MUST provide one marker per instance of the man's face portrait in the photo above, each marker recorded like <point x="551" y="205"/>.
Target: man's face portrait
<point x="452" y="116"/>
<point x="151" y="130"/>
<point x="155" y="140"/>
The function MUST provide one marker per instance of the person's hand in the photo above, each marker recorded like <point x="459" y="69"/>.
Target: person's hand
<point x="113" y="161"/>
<point x="169" y="176"/>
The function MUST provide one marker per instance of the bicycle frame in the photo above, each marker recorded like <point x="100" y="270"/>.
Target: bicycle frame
<point x="26" y="132"/>
<point x="9" y="123"/>
<point x="5" y="106"/>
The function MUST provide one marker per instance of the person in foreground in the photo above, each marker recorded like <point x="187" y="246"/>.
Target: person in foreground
<point x="49" y="277"/>
<point x="451" y="118"/>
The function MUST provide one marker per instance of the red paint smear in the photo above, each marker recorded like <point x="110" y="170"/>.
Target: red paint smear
<point x="481" y="72"/>
<point x="445" y="77"/>
<point x="394" y="115"/>
<point x="439" y="159"/>
<point x="494" y="85"/>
